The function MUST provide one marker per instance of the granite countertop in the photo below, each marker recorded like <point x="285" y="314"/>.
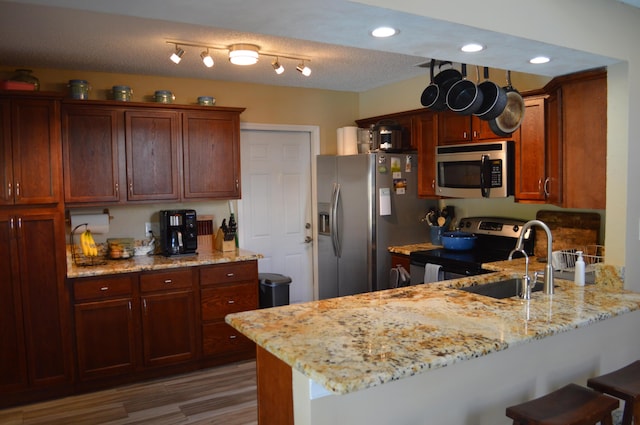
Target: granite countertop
<point x="361" y="341"/>
<point x="157" y="262"/>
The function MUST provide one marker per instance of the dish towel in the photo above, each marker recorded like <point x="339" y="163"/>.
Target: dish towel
<point x="431" y="273"/>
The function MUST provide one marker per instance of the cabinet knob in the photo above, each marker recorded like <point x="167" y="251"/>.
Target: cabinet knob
<point x="117" y="189"/>
<point x="104" y="288"/>
<point x="9" y="189"/>
<point x="233" y="336"/>
<point x="168" y="281"/>
<point x="464" y="134"/>
<point x="230" y="274"/>
<point x="546" y="186"/>
<point x="17" y="189"/>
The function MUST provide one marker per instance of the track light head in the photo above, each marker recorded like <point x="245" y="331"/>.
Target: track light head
<point x="176" y="56"/>
<point x="277" y="67"/>
<point x="206" y="59"/>
<point x="305" y="70"/>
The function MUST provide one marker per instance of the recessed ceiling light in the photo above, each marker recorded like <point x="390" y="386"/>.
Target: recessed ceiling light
<point x="382" y="32"/>
<point x="539" y="59"/>
<point x="472" y="48"/>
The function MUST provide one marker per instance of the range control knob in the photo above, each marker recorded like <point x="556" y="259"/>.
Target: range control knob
<point x="516" y="228"/>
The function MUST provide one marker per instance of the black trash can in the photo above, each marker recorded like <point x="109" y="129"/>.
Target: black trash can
<point x="274" y="289"/>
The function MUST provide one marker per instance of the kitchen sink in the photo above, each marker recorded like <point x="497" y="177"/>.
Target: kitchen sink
<point x="502" y="289"/>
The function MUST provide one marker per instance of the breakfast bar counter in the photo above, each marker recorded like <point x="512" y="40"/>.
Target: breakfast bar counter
<point x="357" y="350"/>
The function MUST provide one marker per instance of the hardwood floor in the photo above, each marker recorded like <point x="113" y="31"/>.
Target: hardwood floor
<point x="222" y="395"/>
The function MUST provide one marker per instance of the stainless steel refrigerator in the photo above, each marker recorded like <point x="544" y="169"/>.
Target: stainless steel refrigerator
<point x="366" y="203"/>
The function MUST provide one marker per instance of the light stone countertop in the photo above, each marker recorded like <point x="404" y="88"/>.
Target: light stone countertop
<point x="157" y="262"/>
<point x="352" y="343"/>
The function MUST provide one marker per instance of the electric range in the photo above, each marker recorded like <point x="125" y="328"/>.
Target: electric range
<point x="496" y="237"/>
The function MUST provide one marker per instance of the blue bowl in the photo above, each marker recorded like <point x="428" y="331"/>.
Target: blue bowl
<point x="458" y="241"/>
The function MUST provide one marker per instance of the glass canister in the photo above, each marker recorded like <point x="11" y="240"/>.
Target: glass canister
<point x="122" y="93"/>
<point x="26" y="76"/>
<point x="79" y="89"/>
<point x="206" y="101"/>
<point x="164" y="96"/>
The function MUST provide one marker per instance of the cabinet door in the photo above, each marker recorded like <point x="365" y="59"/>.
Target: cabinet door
<point x="531" y="152"/>
<point x="90" y="137"/>
<point x="425" y="133"/>
<point x="211" y="143"/>
<point x="36" y="151"/>
<point x="41" y="253"/>
<point x="453" y="128"/>
<point x="6" y="162"/>
<point x="481" y="130"/>
<point x="13" y="368"/>
<point x="105" y="338"/>
<point x="168" y="327"/>
<point x="152" y="141"/>
<point x="553" y="121"/>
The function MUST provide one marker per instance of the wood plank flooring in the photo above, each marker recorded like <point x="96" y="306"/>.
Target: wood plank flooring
<point x="222" y="395"/>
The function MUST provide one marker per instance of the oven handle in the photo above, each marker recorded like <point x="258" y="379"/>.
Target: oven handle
<point x="485" y="170"/>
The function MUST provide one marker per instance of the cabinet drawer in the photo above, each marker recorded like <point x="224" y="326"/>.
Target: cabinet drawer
<point x="217" y="302"/>
<point x="104" y="287"/>
<point x="160" y="281"/>
<point x="229" y="272"/>
<point x="218" y="338"/>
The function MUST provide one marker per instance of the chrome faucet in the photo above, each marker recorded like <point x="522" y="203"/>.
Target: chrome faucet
<point x="548" y="269"/>
<point x="527" y="284"/>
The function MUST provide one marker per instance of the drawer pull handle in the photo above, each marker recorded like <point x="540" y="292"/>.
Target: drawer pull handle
<point x="233" y="336"/>
<point x="230" y="274"/>
<point x="104" y="288"/>
<point x="231" y="302"/>
<point x="167" y="281"/>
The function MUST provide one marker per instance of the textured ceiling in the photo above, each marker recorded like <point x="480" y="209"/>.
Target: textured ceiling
<point x="129" y="36"/>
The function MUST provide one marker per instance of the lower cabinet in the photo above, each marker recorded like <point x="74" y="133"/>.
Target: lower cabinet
<point x="227" y="289"/>
<point x="133" y="325"/>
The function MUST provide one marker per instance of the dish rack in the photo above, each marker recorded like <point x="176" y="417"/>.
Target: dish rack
<point x="565" y="259"/>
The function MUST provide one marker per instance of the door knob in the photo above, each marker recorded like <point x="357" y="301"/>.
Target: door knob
<point x="308" y="239"/>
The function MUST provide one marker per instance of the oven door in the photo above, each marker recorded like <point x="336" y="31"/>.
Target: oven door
<point x="475" y="170"/>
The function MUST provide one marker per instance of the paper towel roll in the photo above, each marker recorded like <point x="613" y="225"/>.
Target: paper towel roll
<point x="350" y="140"/>
<point x="96" y="223"/>
<point x="340" y="138"/>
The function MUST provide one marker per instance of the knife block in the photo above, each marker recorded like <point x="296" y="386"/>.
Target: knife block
<point x="222" y="245"/>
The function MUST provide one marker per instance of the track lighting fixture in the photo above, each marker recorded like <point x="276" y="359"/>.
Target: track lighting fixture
<point x="206" y="58"/>
<point x="277" y="67"/>
<point x="239" y="54"/>
<point x="176" y="56"/>
<point x="305" y="70"/>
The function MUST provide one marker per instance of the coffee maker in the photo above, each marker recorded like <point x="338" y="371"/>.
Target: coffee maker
<point x="178" y="232"/>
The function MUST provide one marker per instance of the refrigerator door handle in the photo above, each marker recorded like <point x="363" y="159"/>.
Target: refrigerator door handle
<point x="334" y="220"/>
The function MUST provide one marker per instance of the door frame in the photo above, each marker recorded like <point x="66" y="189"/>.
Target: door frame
<point x="314" y="138"/>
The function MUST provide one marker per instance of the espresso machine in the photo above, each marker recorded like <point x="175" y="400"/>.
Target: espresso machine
<point x="178" y="232"/>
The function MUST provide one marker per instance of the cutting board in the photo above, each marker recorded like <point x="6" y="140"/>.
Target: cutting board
<point x="569" y="230"/>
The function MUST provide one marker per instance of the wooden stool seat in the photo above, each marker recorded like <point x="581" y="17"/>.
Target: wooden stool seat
<point x="569" y="405"/>
<point x="623" y="383"/>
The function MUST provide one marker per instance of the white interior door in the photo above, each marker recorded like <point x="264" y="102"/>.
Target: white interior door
<point x="277" y="208"/>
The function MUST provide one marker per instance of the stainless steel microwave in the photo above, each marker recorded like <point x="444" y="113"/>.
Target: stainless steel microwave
<point x="475" y="170"/>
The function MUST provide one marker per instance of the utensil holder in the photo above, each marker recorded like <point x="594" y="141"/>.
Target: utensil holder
<point x="436" y="234"/>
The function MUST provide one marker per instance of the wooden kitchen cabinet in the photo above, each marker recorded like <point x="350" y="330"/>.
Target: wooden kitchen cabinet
<point x="168" y="317"/>
<point x="425" y="131"/>
<point x="577" y="139"/>
<point x="531" y="152"/>
<point x="30" y="149"/>
<point x="455" y="128"/>
<point x="407" y="120"/>
<point x="152" y="139"/>
<point x="105" y="326"/>
<point x="211" y="144"/>
<point x="225" y="289"/>
<point x="35" y="354"/>
<point x="91" y="138"/>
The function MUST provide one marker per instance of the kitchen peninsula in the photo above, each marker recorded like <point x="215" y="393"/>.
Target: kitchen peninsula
<point x="433" y="354"/>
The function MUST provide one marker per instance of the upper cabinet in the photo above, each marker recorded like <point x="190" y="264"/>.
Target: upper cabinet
<point x="531" y="152"/>
<point x="406" y="120"/>
<point x="141" y="152"/>
<point x="30" y="151"/>
<point x="456" y="128"/>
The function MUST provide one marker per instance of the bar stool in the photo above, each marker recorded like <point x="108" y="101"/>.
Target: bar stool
<point x="569" y="405"/>
<point x="623" y="383"/>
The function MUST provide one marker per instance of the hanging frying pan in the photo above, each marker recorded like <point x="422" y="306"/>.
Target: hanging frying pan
<point x="511" y="118"/>
<point x="494" y="98"/>
<point x="429" y="98"/>
<point x="443" y="80"/>
<point x="464" y="97"/>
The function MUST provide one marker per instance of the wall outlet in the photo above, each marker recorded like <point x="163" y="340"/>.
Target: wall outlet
<point x="147" y="229"/>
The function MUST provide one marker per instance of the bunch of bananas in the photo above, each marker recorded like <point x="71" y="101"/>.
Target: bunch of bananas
<point x="88" y="245"/>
